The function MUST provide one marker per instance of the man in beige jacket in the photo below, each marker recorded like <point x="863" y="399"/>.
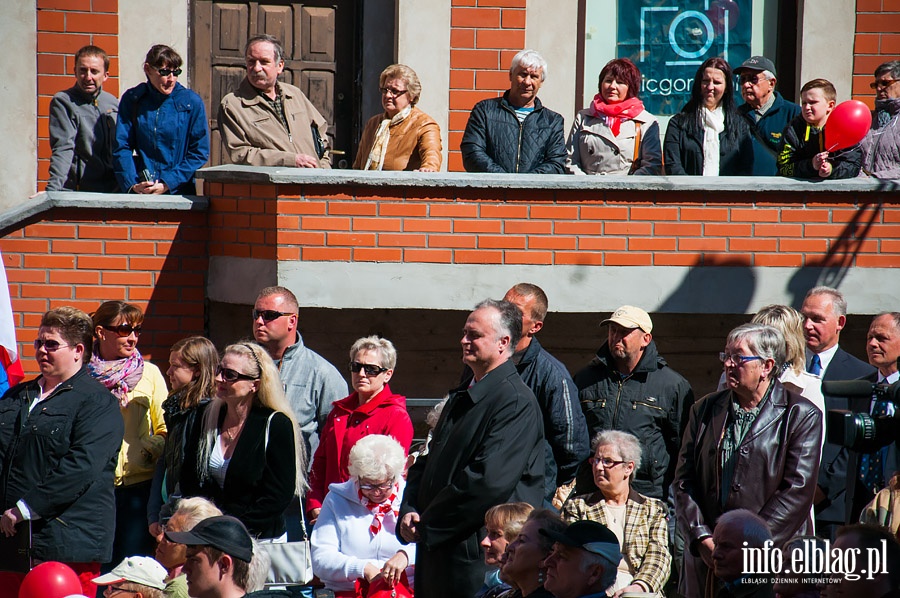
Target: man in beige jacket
<point x="269" y="123"/>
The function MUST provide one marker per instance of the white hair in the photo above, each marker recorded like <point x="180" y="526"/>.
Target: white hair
<point x="377" y="457"/>
<point x="528" y="59"/>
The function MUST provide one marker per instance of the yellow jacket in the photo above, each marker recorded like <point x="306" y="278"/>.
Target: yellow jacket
<point x="145" y="429"/>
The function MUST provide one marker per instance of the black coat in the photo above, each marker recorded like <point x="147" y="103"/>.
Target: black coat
<point x="684" y="151"/>
<point x="495" y="140"/>
<point x="61" y="460"/>
<point x="259" y="483"/>
<point x="800" y="143"/>
<point x="487" y="449"/>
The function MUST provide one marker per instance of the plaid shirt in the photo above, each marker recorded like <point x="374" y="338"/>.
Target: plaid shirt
<point x="646" y="545"/>
<point x="277" y="105"/>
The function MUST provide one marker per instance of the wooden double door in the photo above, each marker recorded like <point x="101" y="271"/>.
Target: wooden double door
<point x="320" y="39"/>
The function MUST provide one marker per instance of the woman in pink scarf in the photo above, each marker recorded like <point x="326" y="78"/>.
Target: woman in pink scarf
<point x="615" y="135"/>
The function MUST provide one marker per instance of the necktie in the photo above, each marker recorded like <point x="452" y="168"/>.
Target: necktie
<point x="871" y="466"/>
<point x="815" y="366"/>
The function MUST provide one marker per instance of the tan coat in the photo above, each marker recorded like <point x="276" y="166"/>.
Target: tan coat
<point x="254" y="135"/>
<point x="415" y="143"/>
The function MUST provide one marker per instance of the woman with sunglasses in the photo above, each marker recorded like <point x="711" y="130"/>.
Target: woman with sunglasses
<point x="639" y="522"/>
<point x="371" y="409"/>
<point x="141" y="389"/>
<point x="162" y="136"/>
<point x="243" y="453"/>
<point x="355" y="540"/>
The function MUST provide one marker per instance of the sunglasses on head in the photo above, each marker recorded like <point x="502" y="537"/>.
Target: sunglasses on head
<point x="124" y="330"/>
<point x="370" y="368"/>
<point x="167" y="72"/>
<point x="49" y="345"/>
<point x="230" y="375"/>
<point x="269" y="314"/>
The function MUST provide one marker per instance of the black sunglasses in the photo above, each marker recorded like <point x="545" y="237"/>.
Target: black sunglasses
<point x="124" y="330"/>
<point x="370" y="368"/>
<point x="230" y="375"/>
<point x="269" y="314"/>
<point x="49" y="345"/>
<point x="751" y="79"/>
<point x="167" y="72"/>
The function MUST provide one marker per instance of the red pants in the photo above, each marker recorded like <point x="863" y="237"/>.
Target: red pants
<point x="10" y="582"/>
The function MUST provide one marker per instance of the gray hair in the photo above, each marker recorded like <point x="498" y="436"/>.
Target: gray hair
<point x="754" y="529"/>
<point x="194" y="510"/>
<point x="434" y="414"/>
<point x="610" y="569"/>
<point x="768" y="75"/>
<point x="838" y="303"/>
<point x="387" y="354"/>
<point x="763" y="340"/>
<point x="276" y="45"/>
<point x="377" y="457"/>
<point x="892" y="68"/>
<point x="895" y="315"/>
<point x="628" y="445"/>
<point x="259" y="568"/>
<point x="528" y="59"/>
<point x="507" y="319"/>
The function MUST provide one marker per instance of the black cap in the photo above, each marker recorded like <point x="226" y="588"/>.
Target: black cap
<point x="591" y="536"/>
<point x="223" y="533"/>
<point x="757" y="63"/>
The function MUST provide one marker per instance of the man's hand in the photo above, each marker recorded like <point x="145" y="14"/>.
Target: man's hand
<point x="155" y="529"/>
<point x="408" y="529"/>
<point x="305" y="161"/>
<point x="706" y="548"/>
<point x="9" y="520"/>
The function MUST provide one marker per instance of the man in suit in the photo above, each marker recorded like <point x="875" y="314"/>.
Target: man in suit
<point x="824" y="316"/>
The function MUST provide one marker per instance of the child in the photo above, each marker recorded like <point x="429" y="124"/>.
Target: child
<point x="803" y="153"/>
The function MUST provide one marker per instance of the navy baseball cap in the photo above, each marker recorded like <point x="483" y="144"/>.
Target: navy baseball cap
<point x="757" y="63"/>
<point x="591" y="536"/>
<point x="223" y="533"/>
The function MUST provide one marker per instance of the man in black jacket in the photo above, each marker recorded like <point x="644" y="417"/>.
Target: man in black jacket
<point x="629" y="387"/>
<point x="487" y="449"/>
<point x="515" y="133"/>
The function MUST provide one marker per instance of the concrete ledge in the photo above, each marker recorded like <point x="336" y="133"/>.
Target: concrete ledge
<point x="302" y="176"/>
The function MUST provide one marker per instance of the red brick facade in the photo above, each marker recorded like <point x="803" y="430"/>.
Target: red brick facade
<point x="877" y="41"/>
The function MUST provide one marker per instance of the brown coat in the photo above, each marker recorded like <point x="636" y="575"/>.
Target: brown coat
<point x="415" y="143"/>
<point x="254" y="135"/>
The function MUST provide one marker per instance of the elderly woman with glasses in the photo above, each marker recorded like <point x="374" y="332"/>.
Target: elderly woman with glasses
<point x="639" y="522"/>
<point x="162" y="136"/>
<point x="141" y="390"/>
<point x="355" y="537"/>
<point x="372" y="408"/>
<point x="243" y="452"/>
<point x="755" y="445"/>
<point x="404" y="137"/>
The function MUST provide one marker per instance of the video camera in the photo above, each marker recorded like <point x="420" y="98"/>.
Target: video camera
<point x="860" y="431"/>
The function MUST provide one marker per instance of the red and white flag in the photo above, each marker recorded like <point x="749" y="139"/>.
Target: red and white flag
<point x="9" y="350"/>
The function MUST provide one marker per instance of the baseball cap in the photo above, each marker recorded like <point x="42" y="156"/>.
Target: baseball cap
<point x="629" y="316"/>
<point x="136" y="569"/>
<point x="223" y="533"/>
<point x="591" y="536"/>
<point x="757" y="63"/>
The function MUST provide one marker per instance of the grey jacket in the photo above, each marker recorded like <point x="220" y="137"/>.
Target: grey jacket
<point x="82" y="135"/>
<point x="312" y="384"/>
<point x="881" y="145"/>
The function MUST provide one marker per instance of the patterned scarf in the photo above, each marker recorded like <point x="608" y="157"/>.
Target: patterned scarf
<point x="120" y="376"/>
<point x="382" y="137"/>
<point x="885" y="110"/>
<point x="616" y="114"/>
<point x="379" y="510"/>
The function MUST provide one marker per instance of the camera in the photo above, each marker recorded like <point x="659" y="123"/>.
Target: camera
<point x="860" y="431"/>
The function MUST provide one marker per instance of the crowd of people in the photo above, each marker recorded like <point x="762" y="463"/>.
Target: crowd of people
<point x="154" y="139"/>
<point x="185" y="487"/>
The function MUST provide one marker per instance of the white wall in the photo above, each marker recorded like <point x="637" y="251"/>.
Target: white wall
<point x="825" y="46"/>
<point x="137" y="33"/>
<point x="551" y="28"/>
<point x="18" y="86"/>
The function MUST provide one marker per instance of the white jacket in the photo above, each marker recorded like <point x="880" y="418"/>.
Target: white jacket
<point x="342" y="543"/>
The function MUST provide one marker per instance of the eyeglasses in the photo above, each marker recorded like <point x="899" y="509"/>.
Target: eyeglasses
<point x="752" y="79"/>
<point x="606" y="463"/>
<point x="124" y="330"/>
<point x="49" y="345"/>
<point x="394" y="93"/>
<point x="384" y="487"/>
<point x="736" y="359"/>
<point x="269" y="314"/>
<point x="230" y="375"/>
<point x="370" y="368"/>
<point x="883" y="83"/>
<point x="167" y="72"/>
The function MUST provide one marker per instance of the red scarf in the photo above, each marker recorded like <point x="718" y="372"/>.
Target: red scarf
<point x="379" y="510"/>
<point x="617" y="113"/>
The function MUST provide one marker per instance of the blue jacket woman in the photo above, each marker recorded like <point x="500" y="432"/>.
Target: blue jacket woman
<point x="162" y="136"/>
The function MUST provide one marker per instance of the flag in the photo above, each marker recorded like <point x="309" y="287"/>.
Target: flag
<point x="11" y="372"/>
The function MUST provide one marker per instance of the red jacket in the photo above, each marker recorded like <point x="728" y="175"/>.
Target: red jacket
<point x="347" y="423"/>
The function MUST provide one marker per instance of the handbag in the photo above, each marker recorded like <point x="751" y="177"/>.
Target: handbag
<point x="290" y="563"/>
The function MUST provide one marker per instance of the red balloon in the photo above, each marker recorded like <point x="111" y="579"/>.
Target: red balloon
<point x="50" y="580"/>
<point x="847" y="124"/>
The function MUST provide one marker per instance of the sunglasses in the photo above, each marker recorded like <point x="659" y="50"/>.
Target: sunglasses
<point x="49" y="345"/>
<point x="883" y="84"/>
<point x="124" y="330"/>
<point x="167" y="72"/>
<point x="752" y="79"/>
<point x="269" y="314"/>
<point x="394" y="93"/>
<point x="229" y="375"/>
<point x="370" y="368"/>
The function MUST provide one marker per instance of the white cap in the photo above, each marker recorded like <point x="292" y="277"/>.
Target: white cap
<point x="142" y="570"/>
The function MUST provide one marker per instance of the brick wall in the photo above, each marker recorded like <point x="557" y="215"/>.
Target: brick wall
<point x="64" y="26"/>
<point x="877" y="41"/>
<point x="484" y="36"/>
<point x="82" y="257"/>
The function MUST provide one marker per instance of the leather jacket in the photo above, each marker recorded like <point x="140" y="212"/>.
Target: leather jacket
<point x="415" y="143"/>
